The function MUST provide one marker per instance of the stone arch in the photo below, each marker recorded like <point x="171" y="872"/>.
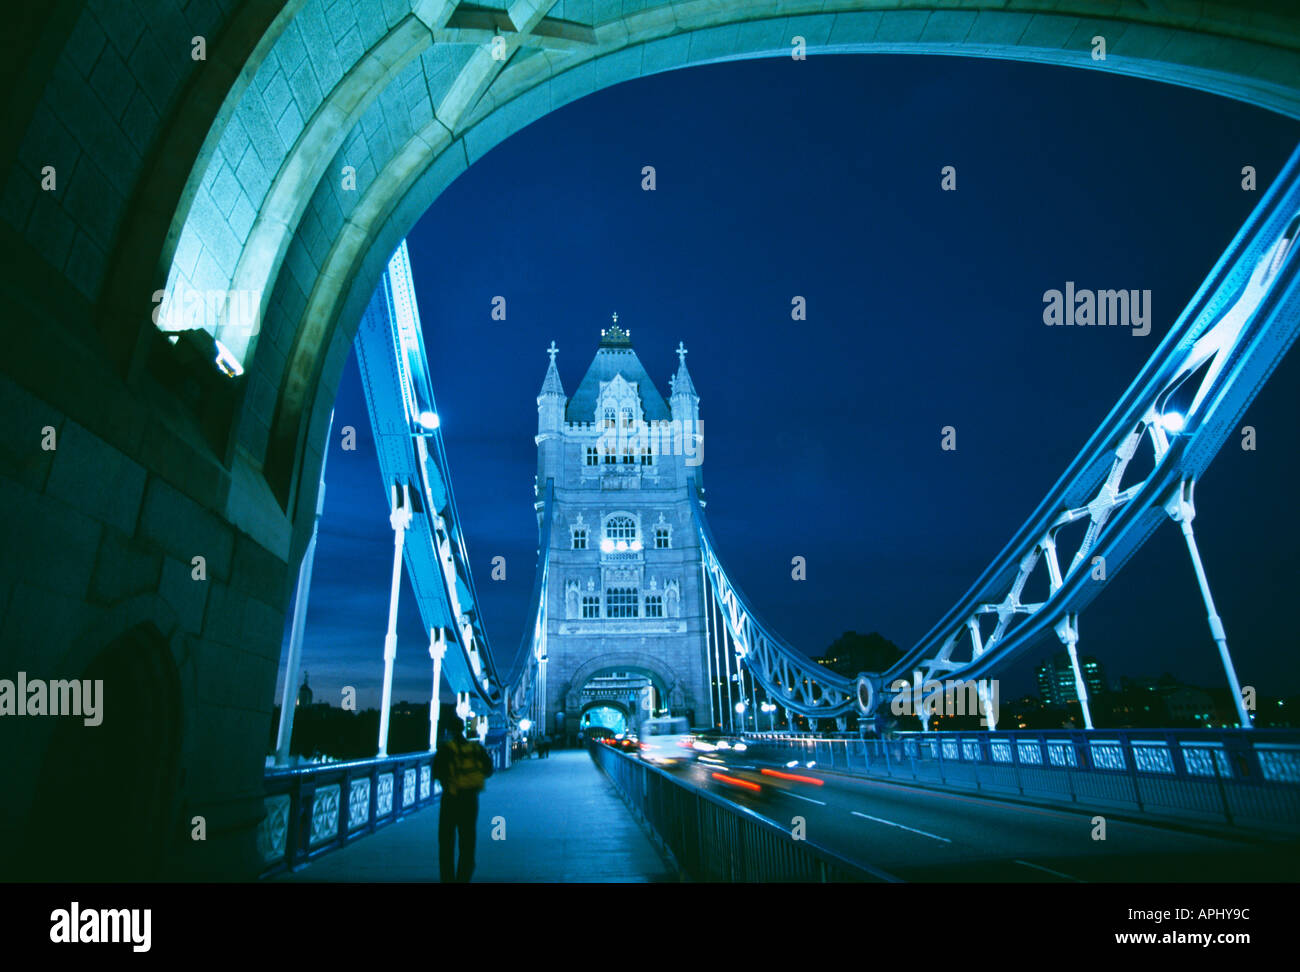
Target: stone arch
<point x="586" y="707"/>
<point x="603" y="704"/>
<point x="629" y="715"/>
<point x="667" y="680"/>
<point x="648" y="42"/>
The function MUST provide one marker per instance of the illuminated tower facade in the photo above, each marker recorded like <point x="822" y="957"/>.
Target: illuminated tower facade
<point x="624" y="587"/>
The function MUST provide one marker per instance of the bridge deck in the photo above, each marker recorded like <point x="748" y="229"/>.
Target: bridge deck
<point x="563" y="822"/>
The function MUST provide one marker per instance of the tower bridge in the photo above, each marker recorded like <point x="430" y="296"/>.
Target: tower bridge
<point x="632" y="605"/>
<point x="228" y="174"/>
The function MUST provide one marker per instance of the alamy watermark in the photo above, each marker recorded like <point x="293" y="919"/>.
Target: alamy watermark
<point x="219" y="312"/>
<point x="57" y="697"/>
<point x="642" y="443"/>
<point x="1098" y="308"/>
<point x="951" y="697"/>
<point x="132" y="926"/>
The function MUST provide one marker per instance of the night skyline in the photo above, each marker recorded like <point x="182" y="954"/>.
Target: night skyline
<point x="822" y="436"/>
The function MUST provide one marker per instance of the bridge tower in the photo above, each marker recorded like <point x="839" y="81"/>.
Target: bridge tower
<point x="624" y="592"/>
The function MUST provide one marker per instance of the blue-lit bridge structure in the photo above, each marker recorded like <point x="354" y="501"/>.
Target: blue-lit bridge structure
<point x="1138" y="470"/>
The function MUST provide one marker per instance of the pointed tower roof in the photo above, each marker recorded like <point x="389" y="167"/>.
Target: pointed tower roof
<point x="681" y="382"/>
<point x="551" y="384"/>
<point x="615" y="357"/>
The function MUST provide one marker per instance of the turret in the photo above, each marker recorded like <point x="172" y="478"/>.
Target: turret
<point x="550" y="423"/>
<point x="685" y="406"/>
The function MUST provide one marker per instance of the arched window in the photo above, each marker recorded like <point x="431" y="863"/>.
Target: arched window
<point x="580" y="538"/>
<point x="654" y="605"/>
<point x="663" y="538"/>
<point x="609" y="418"/>
<point x="620" y="528"/>
<point x="627" y="417"/>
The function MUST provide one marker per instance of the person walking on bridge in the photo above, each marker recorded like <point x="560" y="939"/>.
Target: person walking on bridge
<point x="462" y="766"/>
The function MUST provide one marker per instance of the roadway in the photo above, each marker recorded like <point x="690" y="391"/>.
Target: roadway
<point x="917" y="834"/>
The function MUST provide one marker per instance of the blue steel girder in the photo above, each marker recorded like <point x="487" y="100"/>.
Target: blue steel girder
<point x="1182" y="406"/>
<point x="413" y="465"/>
<point x="1186" y="401"/>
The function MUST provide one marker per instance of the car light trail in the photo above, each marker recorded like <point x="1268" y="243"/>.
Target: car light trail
<point x="734" y="781"/>
<point x="793" y="776"/>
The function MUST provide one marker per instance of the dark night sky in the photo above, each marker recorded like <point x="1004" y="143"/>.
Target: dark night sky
<point x="821" y="178"/>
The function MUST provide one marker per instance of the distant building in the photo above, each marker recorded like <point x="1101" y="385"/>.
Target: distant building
<point x="1189" y="705"/>
<point x="1168" y="703"/>
<point x="305" y="694"/>
<point x="1056" y="678"/>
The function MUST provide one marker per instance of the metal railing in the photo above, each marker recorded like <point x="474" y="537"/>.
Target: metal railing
<point x="1244" y="778"/>
<point x="712" y="839"/>
<point x="312" y="810"/>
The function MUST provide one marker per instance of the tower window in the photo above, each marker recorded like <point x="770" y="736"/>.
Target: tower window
<point x="647" y="457"/>
<point x="627" y="417"/>
<point x="580" y="538"/>
<point x="609" y="418"/>
<point x="620" y="528"/>
<point x="654" y="605"/>
<point x="621" y="602"/>
<point x="663" y="539"/>
<point x="591" y="605"/>
<point x="593" y="456"/>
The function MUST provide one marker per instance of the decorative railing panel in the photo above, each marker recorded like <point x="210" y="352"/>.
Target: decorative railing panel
<point x="1243" y="777"/>
<point x="312" y="810"/>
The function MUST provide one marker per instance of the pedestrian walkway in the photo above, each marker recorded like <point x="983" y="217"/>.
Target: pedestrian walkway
<point x="562" y="819"/>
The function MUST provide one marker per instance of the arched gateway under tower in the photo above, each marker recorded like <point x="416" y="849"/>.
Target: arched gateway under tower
<point x="624" y="558"/>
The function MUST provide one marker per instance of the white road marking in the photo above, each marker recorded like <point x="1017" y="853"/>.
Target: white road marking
<point x="890" y="823"/>
<point x="819" y="803"/>
<point x="1048" y="870"/>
